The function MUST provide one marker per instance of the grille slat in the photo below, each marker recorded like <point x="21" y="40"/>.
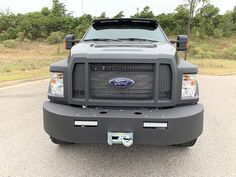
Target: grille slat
<point x="165" y="82"/>
<point x="79" y="81"/>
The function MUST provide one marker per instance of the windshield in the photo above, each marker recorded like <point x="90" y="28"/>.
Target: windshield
<point x="120" y="31"/>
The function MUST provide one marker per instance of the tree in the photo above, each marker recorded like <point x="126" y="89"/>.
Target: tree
<point x="181" y="19"/>
<point x="168" y="22"/>
<point x="209" y="11"/>
<point x="205" y="21"/>
<point x="146" y="13"/>
<point x="84" y="22"/>
<point x="119" y="15"/>
<point x="175" y="23"/>
<point x="45" y="11"/>
<point x="209" y="19"/>
<point x="192" y="4"/>
<point x="226" y="23"/>
<point x="234" y="15"/>
<point x="103" y="15"/>
<point x="58" y="9"/>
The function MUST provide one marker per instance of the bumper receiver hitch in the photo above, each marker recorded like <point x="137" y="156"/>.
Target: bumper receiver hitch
<point x="120" y="138"/>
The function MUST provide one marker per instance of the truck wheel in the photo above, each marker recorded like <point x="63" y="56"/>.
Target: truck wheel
<point x="59" y="142"/>
<point x="187" y="144"/>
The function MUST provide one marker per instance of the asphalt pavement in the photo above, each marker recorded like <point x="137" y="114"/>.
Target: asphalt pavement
<point x="26" y="150"/>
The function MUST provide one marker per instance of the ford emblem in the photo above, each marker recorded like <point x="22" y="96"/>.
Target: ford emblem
<point x="121" y="82"/>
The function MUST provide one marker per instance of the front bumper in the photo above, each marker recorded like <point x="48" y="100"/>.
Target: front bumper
<point x="184" y="124"/>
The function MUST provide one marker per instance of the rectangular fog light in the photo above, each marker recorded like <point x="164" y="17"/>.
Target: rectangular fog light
<point x="79" y="123"/>
<point x="155" y="125"/>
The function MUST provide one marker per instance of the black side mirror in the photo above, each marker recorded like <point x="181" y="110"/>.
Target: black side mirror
<point x="182" y="43"/>
<point x="69" y="41"/>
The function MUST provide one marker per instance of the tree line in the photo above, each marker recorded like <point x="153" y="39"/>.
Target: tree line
<point x="54" y="23"/>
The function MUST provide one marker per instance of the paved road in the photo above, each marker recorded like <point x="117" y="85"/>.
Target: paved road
<point x="25" y="150"/>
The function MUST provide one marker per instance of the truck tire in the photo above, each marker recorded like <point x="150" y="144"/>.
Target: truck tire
<point x="187" y="144"/>
<point x="59" y="142"/>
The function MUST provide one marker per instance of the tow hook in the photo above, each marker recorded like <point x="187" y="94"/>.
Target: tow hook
<point x="120" y="138"/>
<point x="127" y="141"/>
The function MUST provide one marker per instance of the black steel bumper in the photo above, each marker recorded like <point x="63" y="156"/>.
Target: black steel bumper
<point x="184" y="124"/>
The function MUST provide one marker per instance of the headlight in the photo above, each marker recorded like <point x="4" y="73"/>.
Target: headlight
<point x="56" y="84"/>
<point x="189" y="86"/>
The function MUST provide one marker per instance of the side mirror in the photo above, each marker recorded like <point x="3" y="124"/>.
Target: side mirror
<point x="182" y="43"/>
<point x="69" y="41"/>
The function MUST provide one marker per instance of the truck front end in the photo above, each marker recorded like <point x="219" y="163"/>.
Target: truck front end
<point x="123" y="83"/>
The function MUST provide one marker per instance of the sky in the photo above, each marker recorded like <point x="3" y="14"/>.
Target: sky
<point x="111" y="7"/>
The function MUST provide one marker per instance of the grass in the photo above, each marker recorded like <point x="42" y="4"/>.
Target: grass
<point x="11" y="66"/>
<point x="214" y="56"/>
<point x="24" y="69"/>
<point x="32" y="51"/>
<point x="29" y="61"/>
<point x="213" y="48"/>
<point x="215" y="66"/>
<point x="27" y="75"/>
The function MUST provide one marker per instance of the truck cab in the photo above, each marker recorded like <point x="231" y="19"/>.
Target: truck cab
<point x="124" y="83"/>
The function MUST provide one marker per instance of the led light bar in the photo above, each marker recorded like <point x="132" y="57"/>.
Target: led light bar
<point x="79" y="123"/>
<point x="155" y="125"/>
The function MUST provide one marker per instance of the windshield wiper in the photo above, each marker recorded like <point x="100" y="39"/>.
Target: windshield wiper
<point x="102" y="39"/>
<point x="137" y="39"/>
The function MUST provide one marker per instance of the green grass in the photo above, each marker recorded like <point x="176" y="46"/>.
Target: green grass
<point x="12" y="66"/>
<point x="28" y="60"/>
<point x="26" y="75"/>
<point x="13" y="70"/>
<point x="211" y="48"/>
<point x="215" y="66"/>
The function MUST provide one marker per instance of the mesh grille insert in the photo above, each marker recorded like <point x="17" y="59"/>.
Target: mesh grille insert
<point x="141" y="74"/>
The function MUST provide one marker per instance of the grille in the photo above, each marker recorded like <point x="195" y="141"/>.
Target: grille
<point x="141" y="74"/>
<point x="165" y="82"/>
<point x="79" y="81"/>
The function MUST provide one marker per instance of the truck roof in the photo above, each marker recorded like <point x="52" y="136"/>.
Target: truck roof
<point x="136" y="20"/>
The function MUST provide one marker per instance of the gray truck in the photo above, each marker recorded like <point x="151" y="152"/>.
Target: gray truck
<point x="124" y="83"/>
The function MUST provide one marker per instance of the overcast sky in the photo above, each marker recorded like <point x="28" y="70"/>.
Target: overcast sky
<point x="111" y="7"/>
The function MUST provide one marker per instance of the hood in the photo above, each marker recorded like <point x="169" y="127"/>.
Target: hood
<point x="123" y="48"/>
